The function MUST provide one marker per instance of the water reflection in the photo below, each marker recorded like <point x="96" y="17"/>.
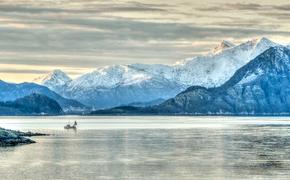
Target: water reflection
<point x="74" y="130"/>
<point x="236" y="152"/>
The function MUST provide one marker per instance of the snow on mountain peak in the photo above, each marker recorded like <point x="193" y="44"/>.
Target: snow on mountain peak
<point x="261" y="45"/>
<point x="265" y="40"/>
<point x="214" y="69"/>
<point x="217" y="67"/>
<point x="110" y="77"/>
<point x="116" y="81"/>
<point x="222" y="46"/>
<point x="262" y="41"/>
<point x="53" y="79"/>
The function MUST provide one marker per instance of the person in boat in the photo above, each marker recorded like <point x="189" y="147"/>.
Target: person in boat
<point x="68" y="126"/>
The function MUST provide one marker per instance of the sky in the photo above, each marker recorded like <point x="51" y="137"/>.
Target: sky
<point x="77" y="36"/>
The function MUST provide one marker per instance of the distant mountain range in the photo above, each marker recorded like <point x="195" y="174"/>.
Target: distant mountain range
<point x="252" y="78"/>
<point x="117" y="85"/>
<point x="262" y="87"/>
<point x="11" y="92"/>
<point x="34" y="104"/>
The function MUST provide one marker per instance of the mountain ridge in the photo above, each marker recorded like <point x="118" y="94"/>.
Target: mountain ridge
<point x="116" y="85"/>
<point x="33" y="104"/>
<point x="262" y="87"/>
<point x="13" y="91"/>
<point x="242" y="95"/>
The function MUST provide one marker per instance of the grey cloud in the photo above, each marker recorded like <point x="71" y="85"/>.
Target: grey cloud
<point x="232" y="6"/>
<point x="240" y="6"/>
<point x="95" y="9"/>
<point x="277" y="15"/>
<point x="30" y="71"/>
<point x="248" y="24"/>
<point x="124" y="30"/>
<point x="285" y="7"/>
<point x="88" y="35"/>
<point x="80" y="51"/>
<point x="253" y="7"/>
<point x="22" y="71"/>
<point x="116" y="36"/>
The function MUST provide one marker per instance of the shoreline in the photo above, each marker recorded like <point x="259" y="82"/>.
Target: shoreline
<point x="10" y="138"/>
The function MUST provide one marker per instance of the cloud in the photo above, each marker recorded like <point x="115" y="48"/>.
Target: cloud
<point x="31" y="71"/>
<point x="251" y="7"/>
<point x="85" y="8"/>
<point x="233" y="7"/>
<point x="87" y="34"/>
<point x="285" y="7"/>
<point x="277" y="15"/>
<point x="113" y="42"/>
<point x="22" y="71"/>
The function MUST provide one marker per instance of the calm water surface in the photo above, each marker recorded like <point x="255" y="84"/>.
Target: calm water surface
<point x="149" y="148"/>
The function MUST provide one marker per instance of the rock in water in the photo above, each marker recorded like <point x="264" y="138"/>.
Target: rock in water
<point x="11" y="138"/>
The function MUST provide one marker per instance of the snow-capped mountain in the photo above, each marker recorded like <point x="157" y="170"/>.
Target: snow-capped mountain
<point x="214" y="70"/>
<point x="259" y="88"/>
<point x="110" y="77"/>
<point x="54" y="80"/>
<point x="125" y="84"/>
<point x="144" y="91"/>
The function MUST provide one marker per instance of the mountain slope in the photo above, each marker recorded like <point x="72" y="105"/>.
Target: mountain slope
<point x="145" y="91"/>
<point x="261" y="87"/>
<point x="34" y="104"/>
<point x="214" y="70"/>
<point x="11" y="92"/>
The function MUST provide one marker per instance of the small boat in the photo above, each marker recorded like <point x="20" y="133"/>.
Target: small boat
<point x="74" y="126"/>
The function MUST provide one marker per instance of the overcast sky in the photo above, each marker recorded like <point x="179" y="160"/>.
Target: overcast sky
<point x="37" y="36"/>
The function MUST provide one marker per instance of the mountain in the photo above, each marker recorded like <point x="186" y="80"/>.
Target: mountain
<point x="260" y="88"/>
<point x="11" y="92"/>
<point x="125" y="84"/>
<point x="149" y="90"/>
<point x="214" y="70"/>
<point x="54" y="80"/>
<point x="116" y="85"/>
<point x="34" y="104"/>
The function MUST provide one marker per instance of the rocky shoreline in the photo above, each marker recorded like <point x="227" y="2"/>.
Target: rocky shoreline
<point x="13" y="138"/>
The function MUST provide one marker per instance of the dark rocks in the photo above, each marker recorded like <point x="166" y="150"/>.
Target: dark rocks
<point x="13" y="138"/>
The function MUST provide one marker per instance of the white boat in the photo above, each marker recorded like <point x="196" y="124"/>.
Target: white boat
<point x="68" y="126"/>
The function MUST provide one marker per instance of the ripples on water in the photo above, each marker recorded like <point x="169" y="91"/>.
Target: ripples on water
<point x="243" y="150"/>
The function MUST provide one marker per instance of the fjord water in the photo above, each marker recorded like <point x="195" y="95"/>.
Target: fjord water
<point x="151" y="147"/>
